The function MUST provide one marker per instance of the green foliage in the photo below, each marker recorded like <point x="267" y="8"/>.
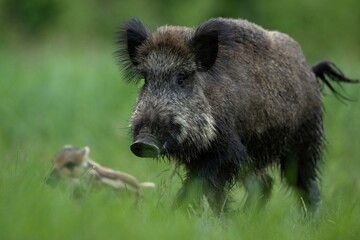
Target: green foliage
<point x="31" y="16"/>
<point x="59" y="84"/>
<point x="319" y="26"/>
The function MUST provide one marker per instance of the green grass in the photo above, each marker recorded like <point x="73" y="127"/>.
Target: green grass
<point x="52" y="95"/>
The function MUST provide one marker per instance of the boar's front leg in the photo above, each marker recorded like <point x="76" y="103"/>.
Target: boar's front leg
<point x="199" y="186"/>
<point x="211" y="175"/>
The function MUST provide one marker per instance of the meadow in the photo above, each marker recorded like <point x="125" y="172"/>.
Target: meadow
<point x="52" y="94"/>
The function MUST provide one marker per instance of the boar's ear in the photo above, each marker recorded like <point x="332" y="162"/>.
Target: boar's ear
<point x="205" y="45"/>
<point x="131" y="35"/>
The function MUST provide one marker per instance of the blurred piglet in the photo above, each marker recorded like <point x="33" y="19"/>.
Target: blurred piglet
<point x="74" y="164"/>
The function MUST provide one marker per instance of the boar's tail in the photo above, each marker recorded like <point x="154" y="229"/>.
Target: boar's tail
<point x="327" y="71"/>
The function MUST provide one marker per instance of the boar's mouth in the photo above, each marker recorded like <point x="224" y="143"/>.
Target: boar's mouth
<point x="145" y="146"/>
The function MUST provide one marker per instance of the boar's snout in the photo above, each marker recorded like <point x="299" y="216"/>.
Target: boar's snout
<point x="145" y="146"/>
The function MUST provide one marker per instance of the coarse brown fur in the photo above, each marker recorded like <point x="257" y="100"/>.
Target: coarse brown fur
<point x="227" y="99"/>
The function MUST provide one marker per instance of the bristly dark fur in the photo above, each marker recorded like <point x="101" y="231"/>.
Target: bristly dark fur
<point x="227" y="100"/>
<point x="129" y="36"/>
<point x="326" y="71"/>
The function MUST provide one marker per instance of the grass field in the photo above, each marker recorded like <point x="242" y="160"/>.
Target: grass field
<point x="52" y="95"/>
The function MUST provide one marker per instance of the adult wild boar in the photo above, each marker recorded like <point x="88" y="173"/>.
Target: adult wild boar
<point x="226" y="100"/>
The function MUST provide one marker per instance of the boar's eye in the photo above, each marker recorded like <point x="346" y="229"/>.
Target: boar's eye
<point x="181" y="79"/>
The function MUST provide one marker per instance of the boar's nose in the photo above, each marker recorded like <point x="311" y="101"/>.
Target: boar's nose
<point x="145" y="147"/>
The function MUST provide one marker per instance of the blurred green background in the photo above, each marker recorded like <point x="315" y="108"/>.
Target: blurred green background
<point x="60" y="84"/>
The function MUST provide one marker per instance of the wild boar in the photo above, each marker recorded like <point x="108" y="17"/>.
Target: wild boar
<point x="227" y="99"/>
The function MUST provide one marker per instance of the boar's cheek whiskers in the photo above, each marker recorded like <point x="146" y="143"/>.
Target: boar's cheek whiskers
<point x="200" y="130"/>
